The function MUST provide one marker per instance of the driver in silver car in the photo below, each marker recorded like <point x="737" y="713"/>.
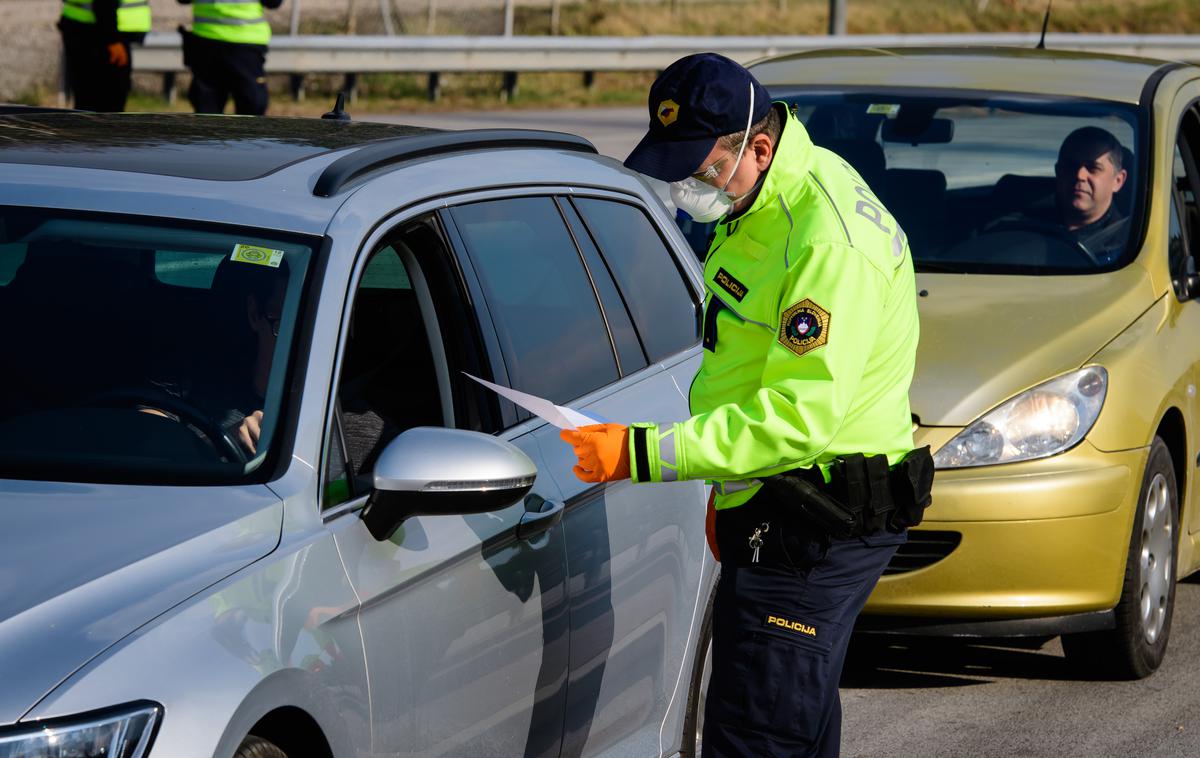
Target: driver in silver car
<point x="230" y="387"/>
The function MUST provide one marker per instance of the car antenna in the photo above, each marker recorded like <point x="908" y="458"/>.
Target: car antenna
<point x="339" y="109"/>
<point x="1041" y="45"/>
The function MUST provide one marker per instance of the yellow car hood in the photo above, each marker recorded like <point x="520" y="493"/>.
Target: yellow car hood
<point x="985" y="338"/>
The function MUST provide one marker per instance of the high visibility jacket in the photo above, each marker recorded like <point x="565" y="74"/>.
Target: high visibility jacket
<point x="133" y="16"/>
<point x="238" y="21"/>
<point x="810" y="334"/>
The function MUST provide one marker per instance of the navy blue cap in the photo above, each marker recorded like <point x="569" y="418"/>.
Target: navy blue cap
<point x="695" y="101"/>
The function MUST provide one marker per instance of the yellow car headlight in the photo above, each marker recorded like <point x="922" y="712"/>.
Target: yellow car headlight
<point x="1045" y="420"/>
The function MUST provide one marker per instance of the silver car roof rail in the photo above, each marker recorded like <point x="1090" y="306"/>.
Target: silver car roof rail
<point x="385" y="153"/>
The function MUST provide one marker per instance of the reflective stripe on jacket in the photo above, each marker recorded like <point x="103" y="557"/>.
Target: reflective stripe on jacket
<point x="133" y="16"/>
<point x="238" y="21"/>
<point x="79" y="10"/>
<point x="810" y="334"/>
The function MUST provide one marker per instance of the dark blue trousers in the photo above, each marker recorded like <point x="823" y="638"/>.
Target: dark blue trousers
<point x="224" y="69"/>
<point x="780" y="633"/>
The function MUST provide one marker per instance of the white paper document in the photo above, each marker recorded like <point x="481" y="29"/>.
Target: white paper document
<point x="560" y="416"/>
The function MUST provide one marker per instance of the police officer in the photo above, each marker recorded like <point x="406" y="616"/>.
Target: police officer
<point x="226" y="49"/>
<point x="801" y="416"/>
<point x="97" y="35"/>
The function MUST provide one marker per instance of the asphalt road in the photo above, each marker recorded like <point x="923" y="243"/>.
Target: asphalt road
<point x="938" y="698"/>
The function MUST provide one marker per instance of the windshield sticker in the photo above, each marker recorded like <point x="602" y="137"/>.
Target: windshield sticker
<point x="262" y="256"/>
<point x="886" y="109"/>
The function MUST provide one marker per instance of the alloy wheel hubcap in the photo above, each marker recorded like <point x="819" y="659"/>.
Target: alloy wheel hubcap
<point x="1155" y="557"/>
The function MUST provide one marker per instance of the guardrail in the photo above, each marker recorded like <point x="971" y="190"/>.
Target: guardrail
<point x="352" y="55"/>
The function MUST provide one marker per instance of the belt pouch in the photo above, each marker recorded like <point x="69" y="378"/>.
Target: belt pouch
<point x="912" y="488"/>
<point x="879" y="506"/>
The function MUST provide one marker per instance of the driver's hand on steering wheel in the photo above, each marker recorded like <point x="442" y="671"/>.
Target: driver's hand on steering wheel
<point x="249" y="430"/>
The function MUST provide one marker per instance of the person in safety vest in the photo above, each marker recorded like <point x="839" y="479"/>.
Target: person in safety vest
<point x="97" y="35"/>
<point x="801" y="416"/>
<point x="226" y="49"/>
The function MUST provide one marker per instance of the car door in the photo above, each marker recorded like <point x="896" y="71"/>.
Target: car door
<point x="463" y="618"/>
<point x="635" y="554"/>
<point x="1182" y="248"/>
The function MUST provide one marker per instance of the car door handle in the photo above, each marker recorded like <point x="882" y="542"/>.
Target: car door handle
<point x="540" y="514"/>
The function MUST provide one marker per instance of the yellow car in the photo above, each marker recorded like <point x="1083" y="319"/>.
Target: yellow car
<point x="1050" y="201"/>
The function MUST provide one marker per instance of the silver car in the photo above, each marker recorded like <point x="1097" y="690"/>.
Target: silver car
<point x="252" y="501"/>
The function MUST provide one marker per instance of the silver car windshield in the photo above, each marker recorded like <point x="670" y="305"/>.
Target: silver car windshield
<point x="992" y="184"/>
<point x="138" y="352"/>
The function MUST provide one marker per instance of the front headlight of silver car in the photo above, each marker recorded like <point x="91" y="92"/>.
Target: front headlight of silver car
<point x="117" y="733"/>
<point x="1042" y="421"/>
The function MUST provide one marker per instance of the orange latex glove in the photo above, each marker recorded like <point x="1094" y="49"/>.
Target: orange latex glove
<point x="602" y="450"/>
<point x="118" y="55"/>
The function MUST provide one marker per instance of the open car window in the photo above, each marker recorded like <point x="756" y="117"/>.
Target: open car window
<point x="139" y="352"/>
<point x="977" y="182"/>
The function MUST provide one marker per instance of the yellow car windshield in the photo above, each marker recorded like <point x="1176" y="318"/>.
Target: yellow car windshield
<point x="991" y="184"/>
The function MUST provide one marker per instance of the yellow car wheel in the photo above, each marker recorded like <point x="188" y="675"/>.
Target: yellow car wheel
<point x="1135" y="648"/>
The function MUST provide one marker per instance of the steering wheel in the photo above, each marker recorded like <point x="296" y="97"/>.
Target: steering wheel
<point x="1048" y="230"/>
<point x="188" y="414"/>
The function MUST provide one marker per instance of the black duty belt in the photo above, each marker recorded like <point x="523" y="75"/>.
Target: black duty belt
<point x="863" y="497"/>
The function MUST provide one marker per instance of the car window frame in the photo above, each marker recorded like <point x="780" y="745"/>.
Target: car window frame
<point x="1175" y="211"/>
<point x="483" y="312"/>
<point x="681" y="268"/>
<point x="691" y="269"/>
<point x="612" y="300"/>
<point x="382" y="234"/>
<point x="1187" y="140"/>
<point x="339" y="449"/>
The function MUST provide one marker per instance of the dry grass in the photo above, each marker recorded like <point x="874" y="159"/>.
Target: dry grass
<point x="883" y="17"/>
<point x="687" y="17"/>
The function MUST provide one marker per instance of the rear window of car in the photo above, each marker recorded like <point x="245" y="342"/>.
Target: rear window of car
<point x="543" y="304"/>
<point x="141" y="348"/>
<point x="651" y="282"/>
<point x="980" y="185"/>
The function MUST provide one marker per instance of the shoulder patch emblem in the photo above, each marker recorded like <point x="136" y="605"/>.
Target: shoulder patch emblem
<point x="804" y="327"/>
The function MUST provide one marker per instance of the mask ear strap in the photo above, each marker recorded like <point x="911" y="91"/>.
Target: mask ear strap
<point x="745" y="139"/>
<point x="749" y="116"/>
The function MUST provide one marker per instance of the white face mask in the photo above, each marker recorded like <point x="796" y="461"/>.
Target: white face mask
<point x="704" y="202"/>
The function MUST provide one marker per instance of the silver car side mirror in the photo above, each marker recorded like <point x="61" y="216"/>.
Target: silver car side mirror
<point x="430" y="471"/>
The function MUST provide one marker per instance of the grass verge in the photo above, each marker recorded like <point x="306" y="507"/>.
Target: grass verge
<point x="400" y="92"/>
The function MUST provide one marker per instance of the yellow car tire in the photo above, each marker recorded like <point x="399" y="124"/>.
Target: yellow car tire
<point x="1135" y="648"/>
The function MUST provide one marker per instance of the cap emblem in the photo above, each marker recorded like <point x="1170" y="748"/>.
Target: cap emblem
<point x="668" y="111"/>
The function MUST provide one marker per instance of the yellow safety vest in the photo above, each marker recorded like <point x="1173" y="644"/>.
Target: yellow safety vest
<point x="133" y="16"/>
<point x="237" y="21"/>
